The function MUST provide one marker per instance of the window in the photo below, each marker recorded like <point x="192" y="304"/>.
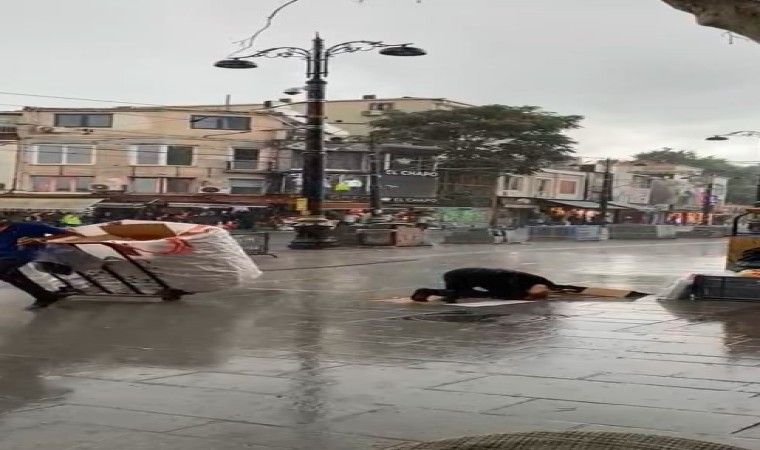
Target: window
<point x="515" y="183"/>
<point x="426" y="163"/>
<point x="384" y="106"/>
<point x="543" y="186"/>
<point x="246" y="186"/>
<point x="568" y="187"/>
<point x="84" y="120"/>
<point x="220" y="122"/>
<point x="245" y="159"/>
<point x="344" y="160"/>
<point x="63" y="154"/>
<point x="155" y="185"/>
<point x="162" y="155"/>
<point x="60" y="184"/>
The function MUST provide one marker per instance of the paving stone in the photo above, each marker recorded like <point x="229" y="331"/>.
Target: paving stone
<point x="424" y="424"/>
<point x="270" y="366"/>
<point x="134" y="440"/>
<point x="230" y="381"/>
<point x="292" y="438"/>
<point x="129" y="373"/>
<point x="726" y="373"/>
<point x="612" y="393"/>
<point x="56" y="436"/>
<point x="670" y="381"/>
<point x="630" y="416"/>
<point x="117" y="418"/>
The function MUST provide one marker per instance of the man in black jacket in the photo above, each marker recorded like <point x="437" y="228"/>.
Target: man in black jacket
<point x="504" y="284"/>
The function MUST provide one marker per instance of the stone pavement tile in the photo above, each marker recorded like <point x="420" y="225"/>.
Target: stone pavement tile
<point x="718" y="349"/>
<point x="649" y="337"/>
<point x="56" y="436"/>
<point x="378" y="377"/>
<point x="724" y="373"/>
<point x="230" y="382"/>
<point x="612" y="393"/>
<point x="135" y="440"/>
<point x="304" y="405"/>
<point x="630" y="416"/>
<point x="269" y="366"/>
<point x="748" y="444"/>
<point x="752" y="433"/>
<point x="589" y="343"/>
<point x="551" y="368"/>
<point x="669" y="381"/>
<point x="292" y="438"/>
<point x="727" y="360"/>
<point x="128" y="373"/>
<point x="117" y="418"/>
<point x="424" y="424"/>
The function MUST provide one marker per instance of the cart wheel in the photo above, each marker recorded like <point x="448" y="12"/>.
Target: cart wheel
<point x="172" y="296"/>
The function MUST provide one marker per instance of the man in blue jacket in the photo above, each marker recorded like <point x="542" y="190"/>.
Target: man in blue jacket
<point x="19" y="243"/>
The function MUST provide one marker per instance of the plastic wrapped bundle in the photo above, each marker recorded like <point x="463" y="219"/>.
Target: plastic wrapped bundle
<point x="188" y="257"/>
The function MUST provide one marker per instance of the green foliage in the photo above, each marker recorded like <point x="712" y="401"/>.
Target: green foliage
<point x="743" y="180"/>
<point x="492" y="138"/>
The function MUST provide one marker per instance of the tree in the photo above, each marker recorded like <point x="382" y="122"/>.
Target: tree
<point x="480" y="143"/>
<point x="736" y="16"/>
<point x="743" y="180"/>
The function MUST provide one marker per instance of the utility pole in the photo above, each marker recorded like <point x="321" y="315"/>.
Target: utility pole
<point x="604" y="198"/>
<point x="707" y="202"/>
<point x="375" y="194"/>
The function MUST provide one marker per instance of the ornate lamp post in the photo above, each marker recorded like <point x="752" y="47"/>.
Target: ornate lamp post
<point x="312" y="230"/>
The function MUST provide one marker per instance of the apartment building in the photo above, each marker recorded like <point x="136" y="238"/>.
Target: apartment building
<point x="354" y="115"/>
<point x="148" y="150"/>
<point x="8" y="149"/>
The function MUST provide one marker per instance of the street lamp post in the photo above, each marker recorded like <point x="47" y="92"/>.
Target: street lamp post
<point x="312" y="232"/>
<point x="728" y="136"/>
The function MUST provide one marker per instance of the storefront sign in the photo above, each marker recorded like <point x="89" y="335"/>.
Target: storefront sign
<point x="416" y="200"/>
<point x="302" y="204"/>
<point x="411" y="173"/>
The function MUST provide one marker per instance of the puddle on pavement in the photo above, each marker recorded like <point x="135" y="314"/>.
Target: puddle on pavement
<point x="458" y="316"/>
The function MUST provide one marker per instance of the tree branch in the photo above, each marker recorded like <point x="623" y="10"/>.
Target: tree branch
<point x="737" y="16"/>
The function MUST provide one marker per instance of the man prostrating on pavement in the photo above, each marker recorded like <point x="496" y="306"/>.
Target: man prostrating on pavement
<point x="503" y="284"/>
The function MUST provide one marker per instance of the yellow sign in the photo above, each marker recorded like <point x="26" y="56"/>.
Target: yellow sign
<point x="741" y="247"/>
<point x="302" y="204"/>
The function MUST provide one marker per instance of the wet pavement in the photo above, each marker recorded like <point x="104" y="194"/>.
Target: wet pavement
<point x="310" y="360"/>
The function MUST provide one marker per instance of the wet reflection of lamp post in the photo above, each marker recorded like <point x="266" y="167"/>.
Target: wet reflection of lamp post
<point x="312" y="231"/>
<point x="728" y="136"/>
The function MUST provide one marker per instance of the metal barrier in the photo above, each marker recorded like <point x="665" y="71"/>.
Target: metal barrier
<point x="253" y="243"/>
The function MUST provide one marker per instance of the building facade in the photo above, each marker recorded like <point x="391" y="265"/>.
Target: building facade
<point x="355" y="115"/>
<point x="9" y="150"/>
<point x="162" y="150"/>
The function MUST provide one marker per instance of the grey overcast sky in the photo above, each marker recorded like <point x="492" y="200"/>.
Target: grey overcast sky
<point x="644" y="75"/>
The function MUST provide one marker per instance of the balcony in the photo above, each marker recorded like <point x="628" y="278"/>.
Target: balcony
<point x="246" y="166"/>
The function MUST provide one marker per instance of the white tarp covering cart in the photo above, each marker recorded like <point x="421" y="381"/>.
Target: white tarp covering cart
<point x="142" y="258"/>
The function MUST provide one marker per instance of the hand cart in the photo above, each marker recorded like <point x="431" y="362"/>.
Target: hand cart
<point x="111" y="280"/>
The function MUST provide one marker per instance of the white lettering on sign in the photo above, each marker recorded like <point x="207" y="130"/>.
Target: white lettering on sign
<point x="413" y="200"/>
<point x="411" y="173"/>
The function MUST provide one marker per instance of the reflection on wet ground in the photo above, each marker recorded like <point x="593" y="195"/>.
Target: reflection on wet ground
<point x="307" y="360"/>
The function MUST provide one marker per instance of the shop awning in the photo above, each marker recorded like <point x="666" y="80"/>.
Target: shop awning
<point x="47" y="204"/>
<point x="583" y="204"/>
<point x="120" y="205"/>
<point x="635" y="207"/>
<point x="210" y="205"/>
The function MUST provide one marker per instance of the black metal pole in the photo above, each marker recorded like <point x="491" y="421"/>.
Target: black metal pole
<point x="313" y="231"/>
<point x="707" y="201"/>
<point x="314" y="156"/>
<point x="757" y="192"/>
<point x="375" y="196"/>
<point x="605" y="195"/>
